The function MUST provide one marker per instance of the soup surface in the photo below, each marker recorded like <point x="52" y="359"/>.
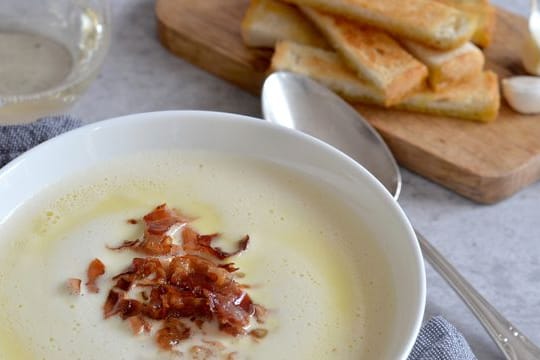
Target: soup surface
<point x="309" y="260"/>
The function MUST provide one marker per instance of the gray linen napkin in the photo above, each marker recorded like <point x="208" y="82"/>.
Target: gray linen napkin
<point x="16" y="139"/>
<point x="438" y="339"/>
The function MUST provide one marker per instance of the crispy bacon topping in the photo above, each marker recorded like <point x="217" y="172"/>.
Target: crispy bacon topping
<point x="74" y="286"/>
<point x="209" y="350"/>
<point x="188" y="286"/>
<point x="201" y="352"/>
<point x="187" y="282"/>
<point x="126" y="244"/>
<point x="172" y="333"/>
<point x="260" y="313"/>
<point x="230" y="267"/>
<point x="159" y="221"/>
<point x="196" y="243"/>
<point x="156" y="241"/>
<point x="95" y="270"/>
<point x="258" y="333"/>
<point x="139" y="325"/>
<point x="111" y="303"/>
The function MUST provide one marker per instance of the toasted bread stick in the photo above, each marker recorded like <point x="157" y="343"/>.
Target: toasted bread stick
<point x="268" y="21"/>
<point x="325" y="67"/>
<point x="477" y="99"/>
<point x="425" y="21"/>
<point x="372" y="54"/>
<point x="447" y="67"/>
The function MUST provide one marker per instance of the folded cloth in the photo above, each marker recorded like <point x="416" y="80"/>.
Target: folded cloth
<point x="16" y="139"/>
<point x="438" y="339"/>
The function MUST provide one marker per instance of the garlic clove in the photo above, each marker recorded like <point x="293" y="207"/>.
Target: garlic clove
<point x="522" y="93"/>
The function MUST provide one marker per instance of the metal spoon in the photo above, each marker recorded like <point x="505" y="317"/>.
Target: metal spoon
<point x="300" y="103"/>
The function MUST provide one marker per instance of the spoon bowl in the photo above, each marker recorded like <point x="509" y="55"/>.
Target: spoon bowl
<point x="288" y="101"/>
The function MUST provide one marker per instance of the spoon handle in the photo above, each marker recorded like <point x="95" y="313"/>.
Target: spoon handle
<point x="510" y="340"/>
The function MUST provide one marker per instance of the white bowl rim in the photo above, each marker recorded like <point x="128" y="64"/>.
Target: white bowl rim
<point x="253" y="121"/>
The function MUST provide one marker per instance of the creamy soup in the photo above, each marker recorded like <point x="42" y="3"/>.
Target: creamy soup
<point x="310" y="261"/>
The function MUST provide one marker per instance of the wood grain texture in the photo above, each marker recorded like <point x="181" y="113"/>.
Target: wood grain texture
<point x="483" y="162"/>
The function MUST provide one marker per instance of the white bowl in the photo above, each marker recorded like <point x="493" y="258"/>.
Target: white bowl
<point x="82" y="148"/>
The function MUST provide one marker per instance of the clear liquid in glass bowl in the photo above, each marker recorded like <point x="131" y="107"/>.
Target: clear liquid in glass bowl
<point x="50" y="50"/>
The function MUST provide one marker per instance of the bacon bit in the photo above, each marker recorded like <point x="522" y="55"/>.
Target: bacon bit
<point x="126" y="244"/>
<point x="168" y="301"/>
<point x="74" y="286"/>
<point x="172" y="333"/>
<point x="258" y="333"/>
<point x="199" y="323"/>
<point x="231" y="356"/>
<point x="215" y="344"/>
<point x="132" y="221"/>
<point x="129" y="307"/>
<point x="156" y="245"/>
<point x="143" y="271"/>
<point x="124" y="284"/>
<point x="242" y="244"/>
<point x="201" y="353"/>
<point x="232" y="310"/>
<point x="230" y="267"/>
<point x="192" y="271"/>
<point x="211" y="350"/>
<point x="139" y="324"/>
<point x="110" y="307"/>
<point x="95" y="270"/>
<point x="159" y="221"/>
<point x="155" y="241"/>
<point x="224" y="297"/>
<point x="196" y="243"/>
<point x="260" y="313"/>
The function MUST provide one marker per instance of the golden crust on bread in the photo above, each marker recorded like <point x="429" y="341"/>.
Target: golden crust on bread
<point x="447" y="67"/>
<point x="425" y="21"/>
<point x="325" y="67"/>
<point x="487" y="17"/>
<point x="372" y="54"/>
<point x="267" y="21"/>
<point x="484" y="14"/>
<point x="476" y="99"/>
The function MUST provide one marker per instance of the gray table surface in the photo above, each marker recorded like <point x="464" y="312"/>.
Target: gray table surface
<point x="496" y="247"/>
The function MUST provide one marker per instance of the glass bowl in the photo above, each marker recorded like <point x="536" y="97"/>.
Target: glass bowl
<point x="50" y="50"/>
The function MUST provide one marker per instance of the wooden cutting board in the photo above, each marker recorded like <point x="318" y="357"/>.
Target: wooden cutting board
<point x="484" y="162"/>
